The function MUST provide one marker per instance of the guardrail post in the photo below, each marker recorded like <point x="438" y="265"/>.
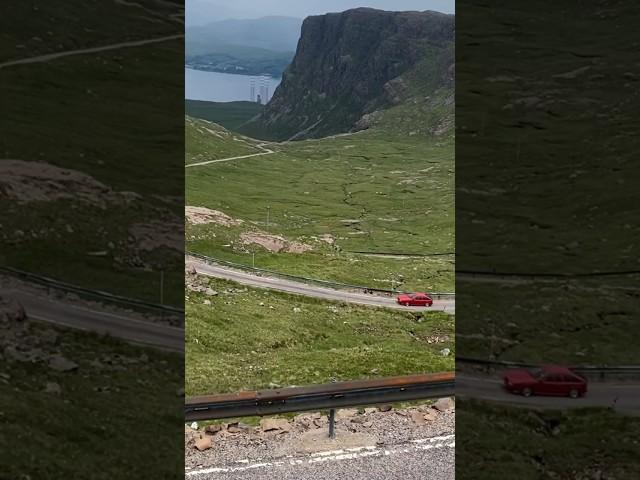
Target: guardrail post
<point x="332" y="423"/>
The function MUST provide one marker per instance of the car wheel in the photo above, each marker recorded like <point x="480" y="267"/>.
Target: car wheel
<point x="406" y="304"/>
<point x="573" y="393"/>
<point x="527" y="392"/>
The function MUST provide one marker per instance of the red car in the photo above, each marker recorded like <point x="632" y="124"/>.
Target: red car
<point x="415" y="300"/>
<point x="548" y="380"/>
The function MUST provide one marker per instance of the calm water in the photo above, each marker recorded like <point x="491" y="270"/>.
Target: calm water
<point x="225" y="87"/>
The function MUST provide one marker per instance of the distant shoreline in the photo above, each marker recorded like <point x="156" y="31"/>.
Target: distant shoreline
<point x="234" y="72"/>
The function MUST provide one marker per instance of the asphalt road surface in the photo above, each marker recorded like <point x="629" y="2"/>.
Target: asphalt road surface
<point x="265" y="151"/>
<point x="299" y="288"/>
<point x="425" y="459"/>
<point x="624" y="397"/>
<point x="83" y="51"/>
<point x="39" y="307"/>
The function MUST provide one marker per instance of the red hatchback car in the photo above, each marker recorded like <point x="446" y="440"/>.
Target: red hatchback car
<point x="547" y="380"/>
<point x="415" y="300"/>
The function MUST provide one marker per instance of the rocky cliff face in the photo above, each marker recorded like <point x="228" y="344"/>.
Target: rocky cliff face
<point x="352" y="64"/>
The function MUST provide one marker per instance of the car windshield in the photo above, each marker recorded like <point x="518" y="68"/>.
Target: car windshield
<point x="536" y="372"/>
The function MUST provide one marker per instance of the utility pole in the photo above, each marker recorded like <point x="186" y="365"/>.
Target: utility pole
<point x="161" y="287"/>
<point x="268" y="214"/>
<point x="253" y="255"/>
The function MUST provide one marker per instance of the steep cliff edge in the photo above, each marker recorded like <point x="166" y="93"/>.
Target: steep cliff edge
<point x="349" y="67"/>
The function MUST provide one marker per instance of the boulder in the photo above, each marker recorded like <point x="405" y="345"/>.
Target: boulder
<point x="270" y="424"/>
<point x="62" y="364"/>
<point x="417" y="417"/>
<point x="444" y="404"/>
<point x="203" y="443"/>
<point x="213" y="429"/>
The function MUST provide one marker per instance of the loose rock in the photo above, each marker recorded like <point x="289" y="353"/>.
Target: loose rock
<point x="61" y="364"/>
<point x="203" y="443"/>
<point x="346" y="413"/>
<point x="214" y="428"/>
<point x="236" y="427"/>
<point x="269" y="424"/>
<point x="53" y="388"/>
<point x="444" y="404"/>
<point x="417" y="417"/>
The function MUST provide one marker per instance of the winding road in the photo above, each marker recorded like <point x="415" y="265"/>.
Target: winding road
<point x="305" y="289"/>
<point x="83" y="51"/>
<point x="41" y="308"/>
<point x="265" y="151"/>
<point x="624" y="397"/>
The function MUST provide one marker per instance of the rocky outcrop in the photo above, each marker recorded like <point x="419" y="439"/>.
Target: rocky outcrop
<point x="352" y="64"/>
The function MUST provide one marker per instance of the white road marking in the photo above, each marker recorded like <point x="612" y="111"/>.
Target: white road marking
<point x="334" y="456"/>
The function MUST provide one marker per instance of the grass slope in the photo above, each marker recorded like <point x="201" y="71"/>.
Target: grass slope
<point x="554" y="322"/>
<point x="250" y="338"/>
<point x="548" y="146"/>
<point x="119" y="398"/>
<point x="228" y="114"/>
<point x="372" y="191"/>
<point x="198" y="138"/>
<point x="504" y="442"/>
<point x="62" y="112"/>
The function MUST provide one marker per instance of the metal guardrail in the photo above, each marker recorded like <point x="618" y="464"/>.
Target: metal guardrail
<point x="402" y="254"/>
<point x="549" y="275"/>
<point x="324" y="283"/>
<point x="320" y="397"/>
<point x="96" y="294"/>
<point x="592" y="372"/>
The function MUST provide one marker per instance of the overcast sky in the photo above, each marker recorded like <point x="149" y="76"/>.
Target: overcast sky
<point x="203" y="11"/>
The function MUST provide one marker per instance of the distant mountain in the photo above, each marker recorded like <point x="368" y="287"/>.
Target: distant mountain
<point x="355" y="69"/>
<point x="201" y="12"/>
<point x="252" y="47"/>
<point x="280" y="34"/>
<point x="240" y="60"/>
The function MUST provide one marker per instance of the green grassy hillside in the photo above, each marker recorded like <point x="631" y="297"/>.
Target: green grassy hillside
<point x="368" y="192"/>
<point x="228" y="114"/>
<point x="252" y="339"/>
<point x="508" y="442"/>
<point x="546" y="184"/>
<point x="63" y="135"/>
<point x="208" y="141"/>
<point x="89" y="407"/>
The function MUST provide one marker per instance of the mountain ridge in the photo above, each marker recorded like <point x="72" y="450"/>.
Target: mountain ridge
<point x="350" y="67"/>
